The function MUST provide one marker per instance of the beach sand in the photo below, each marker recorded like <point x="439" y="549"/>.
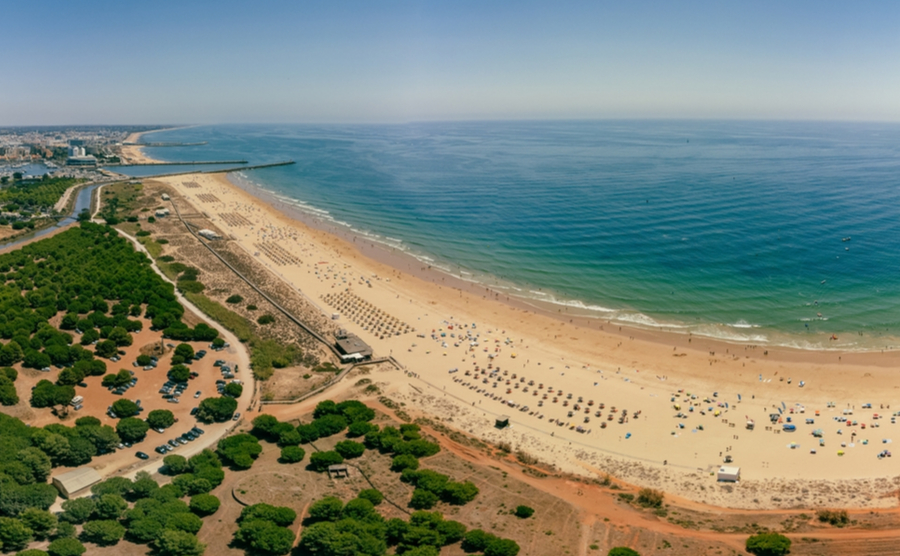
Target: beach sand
<point x="132" y="154"/>
<point x="454" y="325"/>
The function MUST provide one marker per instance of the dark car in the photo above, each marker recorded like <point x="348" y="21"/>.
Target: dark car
<point x="197" y="430"/>
<point x="194" y="411"/>
<point x="82" y="384"/>
<point x="142" y="455"/>
<point x="161" y="449"/>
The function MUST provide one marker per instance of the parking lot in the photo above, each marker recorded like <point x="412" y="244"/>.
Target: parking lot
<point x="147" y="390"/>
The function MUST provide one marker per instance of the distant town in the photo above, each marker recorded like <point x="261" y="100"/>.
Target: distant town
<point x="26" y="154"/>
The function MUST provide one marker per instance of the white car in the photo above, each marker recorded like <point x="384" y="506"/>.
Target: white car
<point x="197" y="394"/>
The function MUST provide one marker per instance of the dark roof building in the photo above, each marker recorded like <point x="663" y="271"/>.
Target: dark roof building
<point x="351" y="347"/>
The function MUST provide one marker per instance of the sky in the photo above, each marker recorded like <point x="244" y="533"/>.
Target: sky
<point x="224" y="61"/>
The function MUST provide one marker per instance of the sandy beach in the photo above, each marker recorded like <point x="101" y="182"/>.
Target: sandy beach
<point x="655" y="409"/>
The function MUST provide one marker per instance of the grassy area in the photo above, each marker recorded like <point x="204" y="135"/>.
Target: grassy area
<point x="227" y="318"/>
<point x="265" y="355"/>
<point x="154" y="248"/>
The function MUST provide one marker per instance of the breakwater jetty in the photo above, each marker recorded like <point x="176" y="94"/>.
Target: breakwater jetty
<point x="188" y="163"/>
<point x="165" y="144"/>
<point x="217" y="171"/>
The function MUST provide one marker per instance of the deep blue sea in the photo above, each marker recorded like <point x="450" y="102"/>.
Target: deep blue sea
<point x="729" y="229"/>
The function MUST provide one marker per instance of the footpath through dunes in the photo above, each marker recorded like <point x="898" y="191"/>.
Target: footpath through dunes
<point x="681" y="403"/>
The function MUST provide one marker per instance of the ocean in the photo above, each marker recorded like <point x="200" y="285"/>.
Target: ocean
<point x="773" y="233"/>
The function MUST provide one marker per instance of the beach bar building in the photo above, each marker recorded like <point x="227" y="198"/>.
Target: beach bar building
<point x="351" y="347"/>
<point x="729" y="474"/>
<point x="502" y="422"/>
<point x="76" y="481"/>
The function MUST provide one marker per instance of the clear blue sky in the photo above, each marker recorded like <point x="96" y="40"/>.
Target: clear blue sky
<point x="197" y="61"/>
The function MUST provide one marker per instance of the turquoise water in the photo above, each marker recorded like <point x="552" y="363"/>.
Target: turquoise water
<point x="728" y="229"/>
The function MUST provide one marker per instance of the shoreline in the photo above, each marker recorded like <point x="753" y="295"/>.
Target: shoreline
<point x="647" y="373"/>
<point x="405" y="262"/>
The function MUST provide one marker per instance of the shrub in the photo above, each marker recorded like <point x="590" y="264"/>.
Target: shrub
<point x="266" y="319"/>
<point x="650" y="498"/>
<point x="768" y="544"/>
<point x="233" y="299"/>
<point x="524" y="512"/>
<point x="837" y="518"/>
<point x="292" y="454"/>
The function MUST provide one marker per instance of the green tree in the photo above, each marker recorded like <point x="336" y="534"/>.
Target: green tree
<point x="476" y="540"/>
<point x="175" y="464"/>
<point x="178" y="543"/>
<point x="185" y="350"/>
<point x="14" y="535"/>
<point x="77" y="510"/>
<point x="144" y="486"/>
<point x="186" y="522"/>
<point x="103" y="532"/>
<point x="423" y="499"/>
<point x="132" y="429"/>
<point x="265" y="537"/>
<point x="204" y="504"/>
<point x="292" y="454"/>
<point x="31" y="552"/>
<point x="41" y="522"/>
<point x="349" y="449"/>
<point x="319" y="461"/>
<point x="372" y="495"/>
<point x="768" y="544"/>
<point x="216" y="409"/>
<point x="405" y="461"/>
<point x="234" y="390"/>
<point x="113" y="485"/>
<point x="66" y="547"/>
<point x="37" y="463"/>
<point x="124" y="408"/>
<point x="179" y="373"/>
<point x="330" y="425"/>
<point x="622" y="551"/>
<point x="458" y="493"/>
<point x="326" y="509"/>
<point x="524" y="512"/>
<point x="501" y="547"/>
<point x="110" y="506"/>
<point x="160" y="419"/>
<point x="279" y="515"/>
<point x="239" y="450"/>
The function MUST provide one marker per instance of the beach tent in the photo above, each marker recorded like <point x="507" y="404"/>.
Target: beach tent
<point x="789" y="428"/>
<point x="729" y="473"/>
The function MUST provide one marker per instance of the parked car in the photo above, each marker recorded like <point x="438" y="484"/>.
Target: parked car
<point x="142" y="455"/>
<point x="194" y="411"/>
<point x="197" y="430"/>
<point x="236" y="417"/>
<point x="161" y="449"/>
<point x="197" y="394"/>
